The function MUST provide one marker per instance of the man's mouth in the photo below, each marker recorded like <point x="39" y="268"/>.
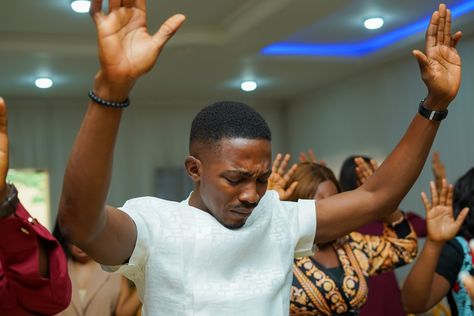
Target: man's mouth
<point x="243" y="212"/>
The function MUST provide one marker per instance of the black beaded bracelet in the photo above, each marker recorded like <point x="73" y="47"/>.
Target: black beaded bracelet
<point x="109" y="104"/>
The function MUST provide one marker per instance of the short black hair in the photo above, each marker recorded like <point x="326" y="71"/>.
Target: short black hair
<point x="348" y="177"/>
<point x="228" y="119"/>
<point x="463" y="196"/>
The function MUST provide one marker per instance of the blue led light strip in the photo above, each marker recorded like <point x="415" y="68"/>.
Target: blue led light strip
<point x="362" y="48"/>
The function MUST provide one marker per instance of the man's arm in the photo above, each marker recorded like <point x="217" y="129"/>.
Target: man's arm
<point x="126" y="52"/>
<point x="441" y="72"/>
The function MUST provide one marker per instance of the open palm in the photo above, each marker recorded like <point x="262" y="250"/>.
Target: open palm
<point x="440" y="221"/>
<point x="279" y="177"/>
<point x="126" y="49"/>
<point x="441" y="64"/>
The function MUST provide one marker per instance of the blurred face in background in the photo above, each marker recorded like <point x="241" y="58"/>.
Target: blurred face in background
<point x="325" y="189"/>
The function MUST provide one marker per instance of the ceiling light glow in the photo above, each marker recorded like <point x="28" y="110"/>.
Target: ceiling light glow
<point x="248" y="86"/>
<point x="373" y="23"/>
<point x="364" y="47"/>
<point x="44" y="83"/>
<point x="81" y="6"/>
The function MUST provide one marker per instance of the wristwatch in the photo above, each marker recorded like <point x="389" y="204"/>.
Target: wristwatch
<point x="430" y="114"/>
<point x="8" y="206"/>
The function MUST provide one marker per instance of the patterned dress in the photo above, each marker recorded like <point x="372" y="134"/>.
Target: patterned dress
<point x="343" y="290"/>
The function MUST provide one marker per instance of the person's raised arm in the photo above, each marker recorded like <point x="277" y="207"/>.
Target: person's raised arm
<point x="424" y="288"/>
<point x="440" y="67"/>
<point x="126" y="51"/>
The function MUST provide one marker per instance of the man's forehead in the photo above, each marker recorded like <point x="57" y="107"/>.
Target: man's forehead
<point x="242" y="155"/>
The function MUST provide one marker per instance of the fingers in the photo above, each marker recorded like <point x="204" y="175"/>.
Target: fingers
<point x="360" y="175"/>
<point x="363" y="169"/>
<point x="431" y="31"/>
<point x="276" y="163"/>
<point x="95" y="9"/>
<point x="141" y="4"/>
<point x="168" y="29"/>
<point x="443" y="192"/>
<point x="127" y="3"/>
<point x="114" y="5"/>
<point x="441" y="24"/>
<point x="447" y="28"/>
<point x="455" y="39"/>
<point x="421" y="58"/>
<point x="449" y="199"/>
<point x="374" y="164"/>
<point x="284" y="164"/>
<point x="426" y="202"/>
<point x="461" y="217"/>
<point x="435" y="159"/>
<point x="302" y="157"/>
<point x="291" y="189"/>
<point x="434" y="194"/>
<point x="290" y="173"/>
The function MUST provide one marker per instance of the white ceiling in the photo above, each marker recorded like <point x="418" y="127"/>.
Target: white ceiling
<point x="218" y="46"/>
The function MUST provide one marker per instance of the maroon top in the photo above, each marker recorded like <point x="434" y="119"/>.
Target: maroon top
<point x="384" y="294"/>
<point x="23" y="291"/>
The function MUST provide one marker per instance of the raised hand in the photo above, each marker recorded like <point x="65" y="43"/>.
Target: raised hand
<point x="3" y="149"/>
<point x="363" y="169"/>
<point x="126" y="49"/>
<point x="440" y="65"/>
<point x="279" y="178"/>
<point x="440" y="221"/>
<point x="438" y="169"/>
<point x="311" y="157"/>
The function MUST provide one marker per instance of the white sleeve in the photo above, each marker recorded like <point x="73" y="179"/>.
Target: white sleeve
<point x="142" y="216"/>
<point x="303" y="225"/>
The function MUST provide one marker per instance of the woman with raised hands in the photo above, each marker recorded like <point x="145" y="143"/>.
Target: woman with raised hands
<point x="446" y="255"/>
<point x="334" y="280"/>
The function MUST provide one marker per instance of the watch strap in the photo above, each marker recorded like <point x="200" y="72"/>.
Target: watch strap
<point x="8" y="206"/>
<point x="430" y="114"/>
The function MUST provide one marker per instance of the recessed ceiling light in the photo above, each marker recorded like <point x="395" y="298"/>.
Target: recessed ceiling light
<point x="44" y="83"/>
<point x="81" y="6"/>
<point x="248" y="86"/>
<point x="373" y="23"/>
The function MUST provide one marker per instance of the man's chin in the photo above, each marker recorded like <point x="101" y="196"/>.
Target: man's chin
<point x="233" y="225"/>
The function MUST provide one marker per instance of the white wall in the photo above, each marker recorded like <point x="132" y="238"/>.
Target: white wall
<point x="42" y="133"/>
<point x="369" y="112"/>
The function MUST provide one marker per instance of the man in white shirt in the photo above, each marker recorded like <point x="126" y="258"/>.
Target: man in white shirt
<point x="228" y="249"/>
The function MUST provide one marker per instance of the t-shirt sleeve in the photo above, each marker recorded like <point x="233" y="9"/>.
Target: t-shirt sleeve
<point x="147" y="224"/>
<point x="304" y="225"/>
<point x="450" y="261"/>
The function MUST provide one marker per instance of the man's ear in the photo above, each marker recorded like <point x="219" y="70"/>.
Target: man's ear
<point x="193" y="168"/>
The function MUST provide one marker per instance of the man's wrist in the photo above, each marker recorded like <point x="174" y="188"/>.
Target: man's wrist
<point x="111" y="90"/>
<point x="435" y="104"/>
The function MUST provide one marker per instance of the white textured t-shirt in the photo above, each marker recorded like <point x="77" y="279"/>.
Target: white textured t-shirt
<point x="186" y="263"/>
